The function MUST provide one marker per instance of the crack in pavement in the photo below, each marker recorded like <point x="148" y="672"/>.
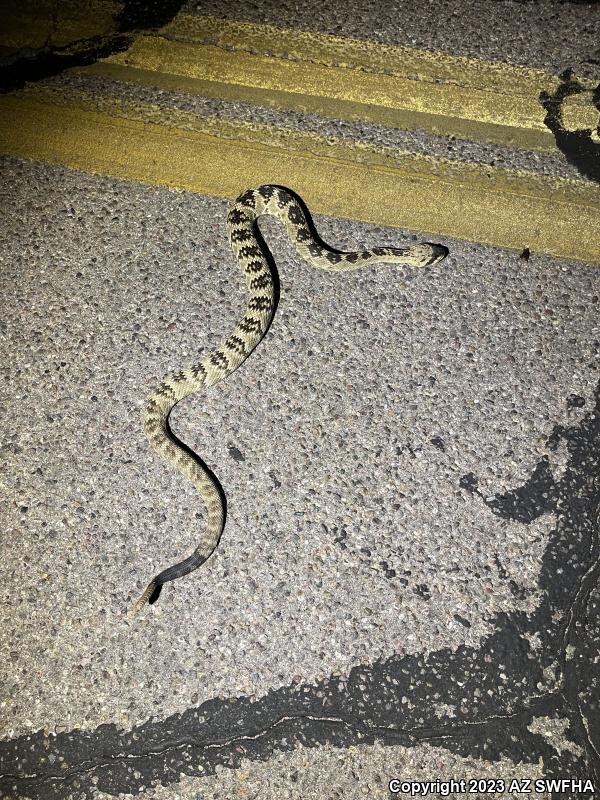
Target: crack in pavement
<point x="420" y="734"/>
<point x="491" y="723"/>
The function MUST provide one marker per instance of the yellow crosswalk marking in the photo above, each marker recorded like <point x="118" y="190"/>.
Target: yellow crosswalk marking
<point x="378" y="185"/>
<point x="347" y="79"/>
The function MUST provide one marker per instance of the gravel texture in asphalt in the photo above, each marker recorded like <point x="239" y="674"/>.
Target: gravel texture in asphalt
<point x="549" y="34"/>
<point x="408" y="460"/>
<point x="407" y="585"/>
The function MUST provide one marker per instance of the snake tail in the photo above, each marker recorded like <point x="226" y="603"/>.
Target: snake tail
<point x="248" y="250"/>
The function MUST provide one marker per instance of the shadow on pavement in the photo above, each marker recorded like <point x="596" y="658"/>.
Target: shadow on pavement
<point x="35" y="64"/>
<point x="578" y="146"/>
<point x="483" y="702"/>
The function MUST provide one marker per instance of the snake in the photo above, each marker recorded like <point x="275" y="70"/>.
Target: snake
<point x="253" y="258"/>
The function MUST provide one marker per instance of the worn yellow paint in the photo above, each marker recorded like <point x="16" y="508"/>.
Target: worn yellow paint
<point x="579" y="112"/>
<point x="490" y="205"/>
<point x="355" y="54"/>
<point x="345" y="78"/>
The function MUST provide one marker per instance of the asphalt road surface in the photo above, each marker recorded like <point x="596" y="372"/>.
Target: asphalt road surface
<point x="406" y="590"/>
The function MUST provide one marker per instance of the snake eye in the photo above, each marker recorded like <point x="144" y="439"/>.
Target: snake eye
<point x="222" y="361"/>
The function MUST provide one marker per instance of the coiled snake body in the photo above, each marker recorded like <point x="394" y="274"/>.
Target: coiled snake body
<point x="250" y="205"/>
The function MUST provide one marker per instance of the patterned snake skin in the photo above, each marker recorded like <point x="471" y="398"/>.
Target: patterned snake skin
<point x="250" y="205"/>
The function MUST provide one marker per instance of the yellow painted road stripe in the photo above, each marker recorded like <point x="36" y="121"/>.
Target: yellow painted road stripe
<point x="489" y="205"/>
<point x="345" y="78"/>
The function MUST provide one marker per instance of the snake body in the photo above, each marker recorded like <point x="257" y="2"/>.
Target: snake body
<point x="248" y="250"/>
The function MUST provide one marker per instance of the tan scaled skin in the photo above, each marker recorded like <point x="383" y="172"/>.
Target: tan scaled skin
<point x="225" y="359"/>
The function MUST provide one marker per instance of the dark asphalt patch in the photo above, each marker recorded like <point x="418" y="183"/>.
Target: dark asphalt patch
<point x="578" y="146"/>
<point x="30" y="64"/>
<point x="495" y="691"/>
<point x="34" y="65"/>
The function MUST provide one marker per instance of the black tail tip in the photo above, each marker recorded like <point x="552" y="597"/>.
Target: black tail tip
<point x="439" y="253"/>
<point x="155" y="595"/>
